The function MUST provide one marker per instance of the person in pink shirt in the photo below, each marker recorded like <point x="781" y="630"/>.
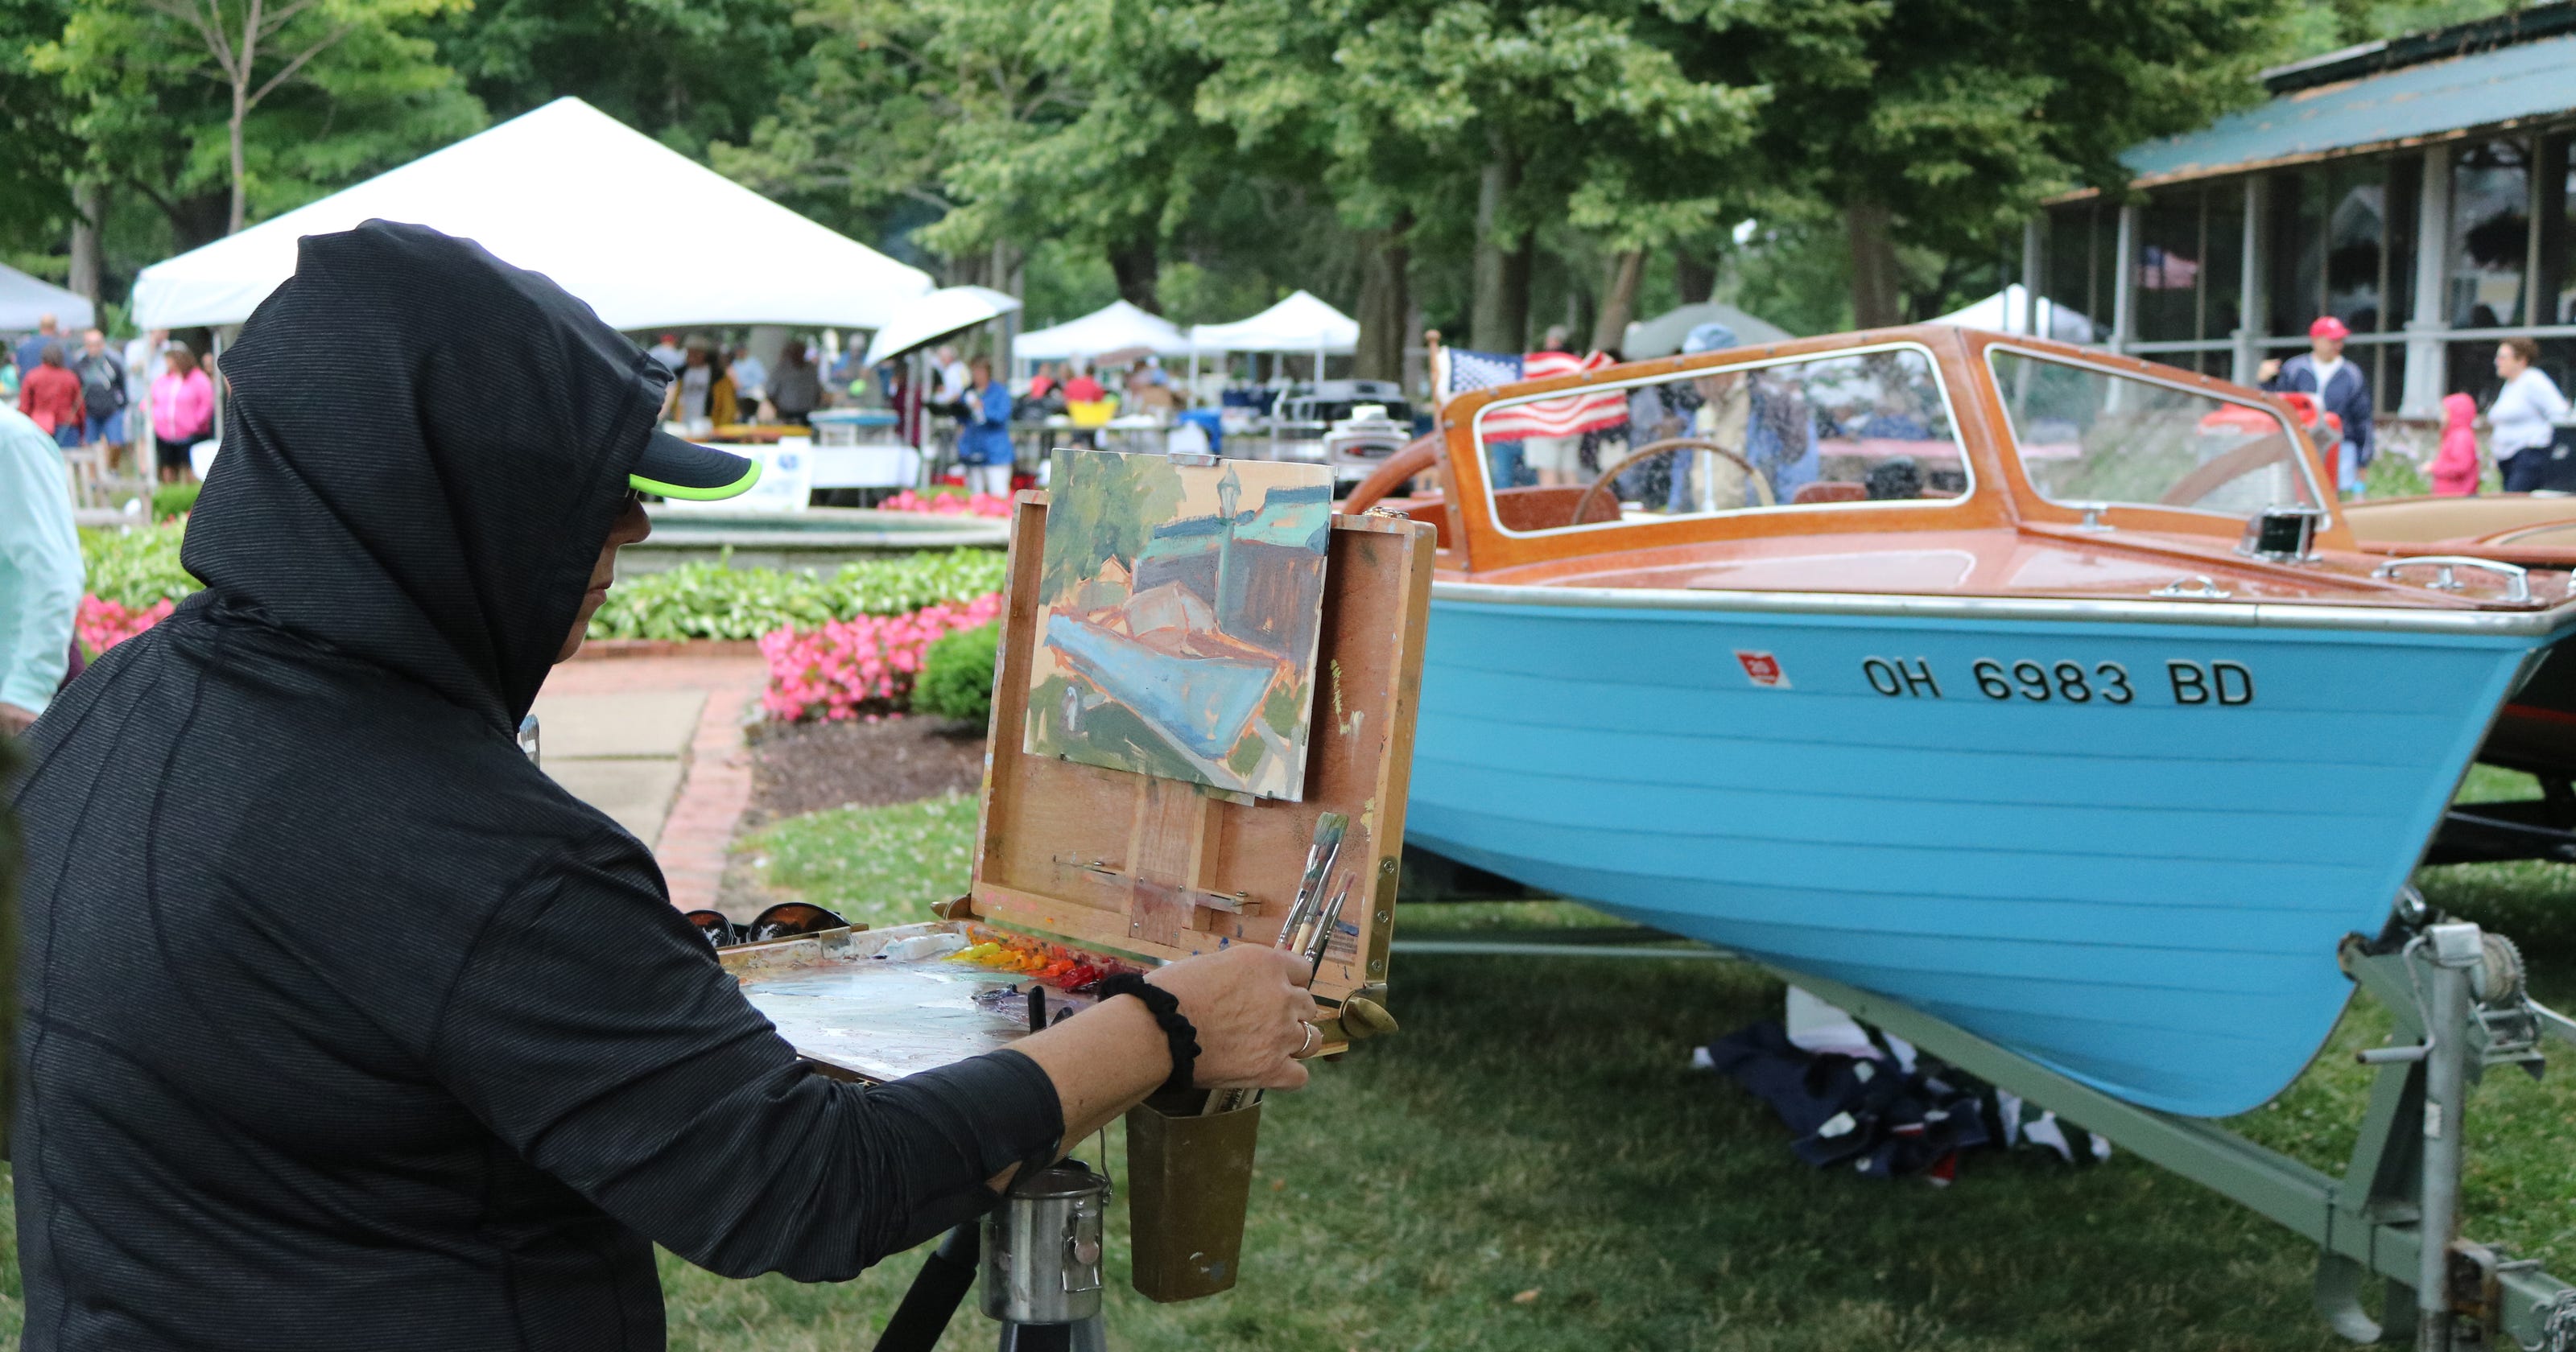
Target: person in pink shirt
<point x="2455" y="470"/>
<point x="183" y="412"/>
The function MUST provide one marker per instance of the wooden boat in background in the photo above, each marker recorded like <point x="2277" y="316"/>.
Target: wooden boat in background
<point x="2518" y="528"/>
<point x="2536" y="731"/>
<point x="1974" y="670"/>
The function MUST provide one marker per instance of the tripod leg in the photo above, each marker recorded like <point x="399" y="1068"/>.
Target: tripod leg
<point x="932" y="1299"/>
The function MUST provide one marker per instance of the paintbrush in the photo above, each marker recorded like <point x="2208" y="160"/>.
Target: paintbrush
<point x="1322" y="938"/>
<point x="1297" y="931"/>
<point x="1320" y="855"/>
<point x="1313" y="937"/>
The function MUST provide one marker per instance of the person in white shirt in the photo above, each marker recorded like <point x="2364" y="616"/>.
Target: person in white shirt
<point x="750" y="376"/>
<point x="143" y="365"/>
<point x="2524" y="416"/>
<point x="954" y="380"/>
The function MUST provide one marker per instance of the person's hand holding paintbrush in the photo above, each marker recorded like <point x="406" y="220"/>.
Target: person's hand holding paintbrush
<point x="1307" y="932"/>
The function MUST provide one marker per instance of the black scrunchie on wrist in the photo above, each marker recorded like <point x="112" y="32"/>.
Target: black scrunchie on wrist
<point x="1166" y="1009"/>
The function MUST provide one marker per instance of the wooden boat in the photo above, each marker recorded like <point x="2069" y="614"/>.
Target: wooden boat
<point x="1979" y="671"/>
<point x="2520" y="528"/>
<point x="2536" y="731"/>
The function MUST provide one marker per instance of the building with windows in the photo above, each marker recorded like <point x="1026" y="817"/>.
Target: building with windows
<point x="2419" y="189"/>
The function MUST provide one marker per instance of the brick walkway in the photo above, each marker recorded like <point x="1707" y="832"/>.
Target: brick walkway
<point x="657" y="743"/>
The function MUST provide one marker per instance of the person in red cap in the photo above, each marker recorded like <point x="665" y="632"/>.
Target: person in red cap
<point x="2340" y="389"/>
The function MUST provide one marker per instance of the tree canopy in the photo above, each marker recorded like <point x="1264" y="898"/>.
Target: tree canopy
<point x="1488" y="167"/>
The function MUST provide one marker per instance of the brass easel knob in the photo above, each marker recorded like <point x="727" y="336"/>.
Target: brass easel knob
<point x="1364" y="1018"/>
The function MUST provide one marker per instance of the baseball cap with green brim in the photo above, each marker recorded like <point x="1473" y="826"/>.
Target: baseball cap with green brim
<point x="676" y="468"/>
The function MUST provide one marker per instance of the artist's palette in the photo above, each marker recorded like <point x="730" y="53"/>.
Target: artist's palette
<point x="883" y="1004"/>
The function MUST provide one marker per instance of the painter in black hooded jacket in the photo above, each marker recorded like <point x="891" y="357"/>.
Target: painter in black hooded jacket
<point x="344" y="1027"/>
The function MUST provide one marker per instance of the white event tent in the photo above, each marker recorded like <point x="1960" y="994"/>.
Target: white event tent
<point x="2007" y="311"/>
<point x="648" y="236"/>
<point x="25" y="299"/>
<point x="1662" y="335"/>
<point x="1115" y="327"/>
<point x="1300" y="323"/>
<point x="927" y="319"/>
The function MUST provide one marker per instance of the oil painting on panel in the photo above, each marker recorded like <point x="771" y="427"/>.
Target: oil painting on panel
<point x="1178" y="612"/>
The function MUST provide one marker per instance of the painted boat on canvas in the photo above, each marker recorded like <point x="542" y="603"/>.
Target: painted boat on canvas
<point x="1203" y="702"/>
<point x="2080" y="730"/>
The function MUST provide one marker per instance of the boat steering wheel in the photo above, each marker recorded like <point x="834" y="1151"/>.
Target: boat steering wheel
<point x="1761" y="485"/>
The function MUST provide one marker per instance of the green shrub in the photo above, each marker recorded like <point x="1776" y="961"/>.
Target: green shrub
<point x="957" y="675"/>
<point x="710" y="600"/>
<point x="136" y="567"/>
<point x="174" y="500"/>
<point x="139" y="566"/>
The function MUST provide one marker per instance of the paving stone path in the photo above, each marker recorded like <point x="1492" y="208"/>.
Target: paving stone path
<point x="656" y="743"/>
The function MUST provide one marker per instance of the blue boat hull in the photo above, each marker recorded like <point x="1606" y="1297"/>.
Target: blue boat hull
<point x="2143" y="893"/>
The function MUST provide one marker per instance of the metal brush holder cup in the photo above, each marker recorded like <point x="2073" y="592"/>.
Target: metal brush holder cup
<point x="1042" y="1247"/>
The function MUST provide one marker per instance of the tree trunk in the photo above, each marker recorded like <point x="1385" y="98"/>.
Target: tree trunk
<point x="1498" y="317"/>
<point x="1416" y="360"/>
<point x="240" y="208"/>
<point x="1618" y="301"/>
<point x="1384" y="302"/>
<point x="1518" y="267"/>
<point x="243" y="64"/>
<point x="89" y="208"/>
<point x="1694" y="278"/>
<point x="1873" y="263"/>
<point x="197" y="221"/>
<point x="1010" y="269"/>
<point x="1138" y="270"/>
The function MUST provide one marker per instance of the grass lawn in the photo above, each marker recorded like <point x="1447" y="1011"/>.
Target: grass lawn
<point x="1536" y="1129"/>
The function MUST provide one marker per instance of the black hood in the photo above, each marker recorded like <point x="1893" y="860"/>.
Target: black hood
<point x="425" y="451"/>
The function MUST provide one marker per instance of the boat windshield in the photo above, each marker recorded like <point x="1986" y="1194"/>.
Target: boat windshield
<point x="1854" y="429"/>
<point x="2086" y="435"/>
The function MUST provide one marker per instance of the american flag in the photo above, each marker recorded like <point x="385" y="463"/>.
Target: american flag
<point x="1458" y="371"/>
<point x="2164" y="270"/>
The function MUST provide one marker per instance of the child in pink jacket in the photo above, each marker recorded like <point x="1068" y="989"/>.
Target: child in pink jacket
<point x="2455" y="470"/>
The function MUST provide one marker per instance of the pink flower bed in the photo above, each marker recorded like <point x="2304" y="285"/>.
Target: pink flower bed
<point x="104" y="624"/>
<point x="859" y="666"/>
<point x="947" y="504"/>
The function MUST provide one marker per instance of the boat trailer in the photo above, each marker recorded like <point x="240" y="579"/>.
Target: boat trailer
<point x="2457" y="996"/>
<point x="2519" y="828"/>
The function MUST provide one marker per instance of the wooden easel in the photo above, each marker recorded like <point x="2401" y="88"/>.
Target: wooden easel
<point x="1159" y="869"/>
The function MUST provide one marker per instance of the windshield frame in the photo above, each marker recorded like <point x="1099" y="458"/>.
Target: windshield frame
<point x="2318" y="496"/>
<point x="1959" y="436"/>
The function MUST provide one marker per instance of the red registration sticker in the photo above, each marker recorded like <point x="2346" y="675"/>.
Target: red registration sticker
<point x="1762" y="669"/>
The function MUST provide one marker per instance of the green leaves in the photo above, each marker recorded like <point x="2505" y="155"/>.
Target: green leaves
<point x="1108" y="512"/>
<point x="335" y="90"/>
<point x="136" y="568"/>
<point x="957" y="674"/>
<point x="711" y="601"/>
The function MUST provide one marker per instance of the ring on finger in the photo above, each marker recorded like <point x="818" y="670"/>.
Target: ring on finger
<point x="1306" y="1046"/>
